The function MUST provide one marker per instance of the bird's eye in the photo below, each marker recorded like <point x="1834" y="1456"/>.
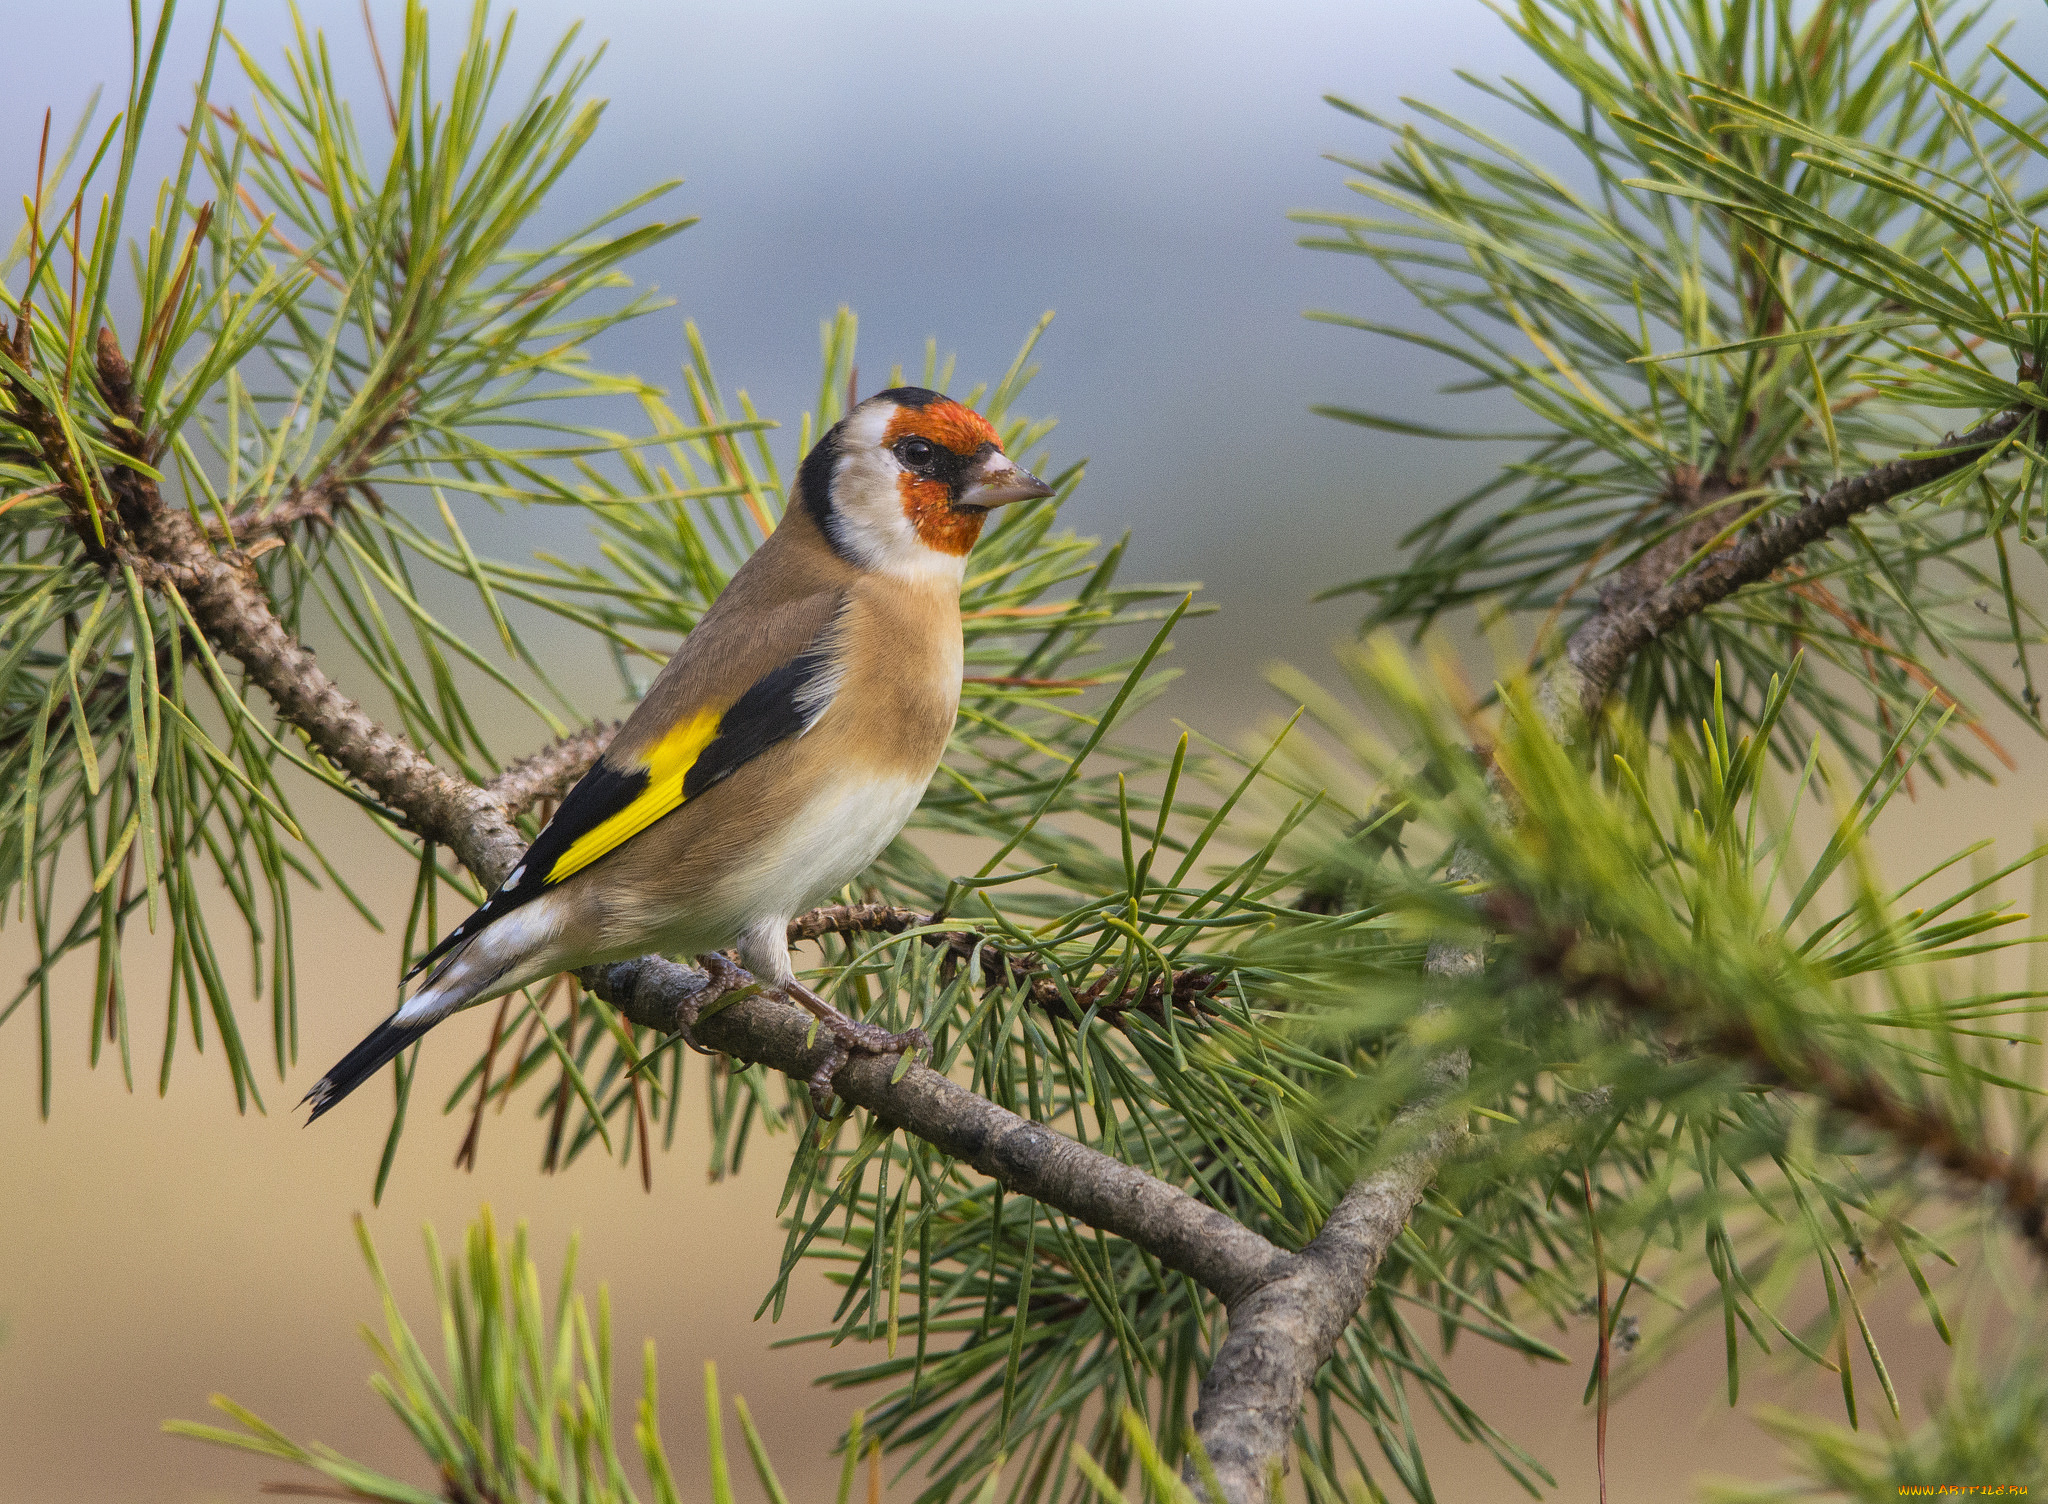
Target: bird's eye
<point x="916" y="453"/>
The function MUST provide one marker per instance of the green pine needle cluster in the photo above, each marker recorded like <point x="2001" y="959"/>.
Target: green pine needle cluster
<point x="1734" y="253"/>
<point x="1661" y="954"/>
<point x="521" y="1406"/>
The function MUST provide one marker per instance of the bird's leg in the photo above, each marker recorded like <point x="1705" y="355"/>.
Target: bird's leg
<point x="848" y="1035"/>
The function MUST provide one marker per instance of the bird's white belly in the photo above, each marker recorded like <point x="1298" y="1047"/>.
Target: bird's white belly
<point x="827" y="844"/>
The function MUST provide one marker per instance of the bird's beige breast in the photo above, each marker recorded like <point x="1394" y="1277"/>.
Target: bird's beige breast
<point x="900" y="688"/>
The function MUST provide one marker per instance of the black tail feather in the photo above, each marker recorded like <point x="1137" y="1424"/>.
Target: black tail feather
<point x="364" y="1061"/>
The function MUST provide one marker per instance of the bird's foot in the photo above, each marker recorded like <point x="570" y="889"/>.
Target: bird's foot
<point x="726" y="978"/>
<point x="849" y="1037"/>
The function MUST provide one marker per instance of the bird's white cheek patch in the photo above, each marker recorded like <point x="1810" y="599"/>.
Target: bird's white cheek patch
<point x="869" y="521"/>
<point x="886" y="541"/>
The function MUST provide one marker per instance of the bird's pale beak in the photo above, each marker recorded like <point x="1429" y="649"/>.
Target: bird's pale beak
<point x="999" y="480"/>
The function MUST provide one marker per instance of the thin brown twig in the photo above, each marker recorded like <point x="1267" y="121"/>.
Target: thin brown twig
<point x="30" y="495"/>
<point x="745" y="478"/>
<point x="35" y="244"/>
<point x="249" y="202"/>
<point x="233" y="121"/>
<point x="640" y="1127"/>
<point x="465" y="1155"/>
<point x="1821" y="596"/>
<point x="159" y="330"/>
<point x="377" y="57"/>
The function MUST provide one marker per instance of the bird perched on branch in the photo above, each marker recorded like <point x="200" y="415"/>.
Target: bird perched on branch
<point x="776" y="754"/>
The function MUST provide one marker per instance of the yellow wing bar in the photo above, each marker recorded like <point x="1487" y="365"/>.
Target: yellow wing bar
<point x="667" y="766"/>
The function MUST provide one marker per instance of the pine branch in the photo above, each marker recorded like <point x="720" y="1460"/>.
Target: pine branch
<point x="1586" y="967"/>
<point x="855" y="918"/>
<point x="553" y="770"/>
<point x="317" y="500"/>
<point x="1283" y="1330"/>
<point x="1602" y="645"/>
<point x="1222" y="1255"/>
<point x="221" y="593"/>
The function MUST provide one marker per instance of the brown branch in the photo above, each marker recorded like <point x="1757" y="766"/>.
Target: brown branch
<point x="553" y="770"/>
<point x="317" y="500"/>
<point x="1605" y="641"/>
<point x="1586" y="967"/>
<point x="1218" y="1252"/>
<point x="169" y="552"/>
<point x="1283" y="1331"/>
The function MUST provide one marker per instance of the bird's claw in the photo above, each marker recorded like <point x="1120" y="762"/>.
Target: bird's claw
<point x="724" y="978"/>
<point x="724" y="972"/>
<point x="850" y="1036"/>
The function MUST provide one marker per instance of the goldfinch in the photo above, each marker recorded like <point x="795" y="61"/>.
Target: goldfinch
<point x="775" y="755"/>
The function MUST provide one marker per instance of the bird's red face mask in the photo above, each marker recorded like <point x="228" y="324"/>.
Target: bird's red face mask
<point x="953" y="470"/>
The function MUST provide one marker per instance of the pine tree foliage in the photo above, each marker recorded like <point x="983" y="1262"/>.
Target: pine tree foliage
<point x="339" y="376"/>
<point x="310" y="327"/>
<point x="1737" y="281"/>
<point x="1830" y="213"/>
<point x="1758" y="251"/>
<point x="1986" y="1427"/>
<point x="1662" y="958"/>
<point x="522" y="1403"/>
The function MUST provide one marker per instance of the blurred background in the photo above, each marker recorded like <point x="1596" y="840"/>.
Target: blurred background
<point x="951" y="172"/>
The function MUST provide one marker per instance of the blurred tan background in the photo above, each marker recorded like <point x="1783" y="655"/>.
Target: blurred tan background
<point x="950" y="171"/>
